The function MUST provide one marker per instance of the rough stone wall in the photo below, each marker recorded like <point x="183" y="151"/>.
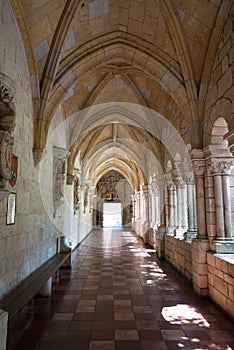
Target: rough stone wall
<point x="220" y="280"/>
<point x="32" y="239"/>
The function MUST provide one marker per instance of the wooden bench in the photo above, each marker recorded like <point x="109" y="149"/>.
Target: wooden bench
<point x="38" y="282"/>
<point x="29" y="287"/>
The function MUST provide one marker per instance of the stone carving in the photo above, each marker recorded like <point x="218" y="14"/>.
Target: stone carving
<point x="59" y="179"/>
<point x="7" y="125"/>
<point x="60" y="156"/>
<point x="76" y="195"/>
<point x="6" y="148"/>
<point x="199" y="168"/>
<point x="107" y="186"/>
<point x="221" y="166"/>
<point x="86" y="198"/>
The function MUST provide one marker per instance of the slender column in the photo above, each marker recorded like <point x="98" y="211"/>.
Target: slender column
<point x="146" y="203"/>
<point x="150" y="208"/>
<point x="157" y="211"/>
<point x="161" y="231"/>
<point x="227" y="205"/>
<point x="133" y="207"/>
<point x="166" y="196"/>
<point x="221" y="169"/>
<point x="171" y="194"/>
<point x="192" y="229"/>
<point x="153" y="218"/>
<point x="138" y="209"/>
<point x="220" y="232"/>
<point x="199" y="170"/>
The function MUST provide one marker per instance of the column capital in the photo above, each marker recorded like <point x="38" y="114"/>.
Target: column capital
<point x="221" y="166"/>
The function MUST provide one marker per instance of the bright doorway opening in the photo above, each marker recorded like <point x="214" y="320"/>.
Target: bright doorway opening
<point x="112" y="214"/>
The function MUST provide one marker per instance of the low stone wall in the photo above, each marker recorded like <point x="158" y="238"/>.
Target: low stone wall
<point x="178" y="252"/>
<point x="221" y="280"/>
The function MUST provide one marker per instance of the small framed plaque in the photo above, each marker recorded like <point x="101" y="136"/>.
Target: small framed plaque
<point x="11" y="209"/>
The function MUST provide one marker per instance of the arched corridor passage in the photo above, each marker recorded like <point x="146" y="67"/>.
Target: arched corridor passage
<point x="119" y="296"/>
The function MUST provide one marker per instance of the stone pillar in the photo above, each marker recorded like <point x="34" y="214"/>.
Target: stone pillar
<point x="200" y="245"/>
<point x="224" y="242"/>
<point x="153" y="216"/>
<point x="145" y="193"/>
<point x="199" y="171"/>
<point x="138" y="205"/>
<point x="172" y="209"/>
<point x="227" y="205"/>
<point x="157" y="207"/>
<point x="161" y="231"/>
<point x="192" y="225"/>
<point x="199" y="266"/>
<point x="181" y="210"/>
<point x="133" y="207"/>
<point x="3" y="329"/>
<point x="220" y="233"/>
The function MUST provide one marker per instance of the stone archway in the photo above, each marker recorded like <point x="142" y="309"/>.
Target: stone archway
<point x="113" y="188"/>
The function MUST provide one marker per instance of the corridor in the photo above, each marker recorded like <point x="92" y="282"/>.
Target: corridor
<point x="119" y="296"/>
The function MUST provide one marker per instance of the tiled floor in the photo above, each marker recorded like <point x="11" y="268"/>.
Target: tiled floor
<point x="119" y="296"/>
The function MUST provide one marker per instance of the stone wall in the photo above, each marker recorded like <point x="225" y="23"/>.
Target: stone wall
<point x="178" y="252"/>
<point x="220" y="280"/>
<point x="32" y="240"/>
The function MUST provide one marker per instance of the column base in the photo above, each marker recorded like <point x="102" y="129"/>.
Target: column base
<point x="170" y="230"/>
<point x="223" y="246"/>
<point x="190" y="235"/>
<point x="3" y="329"/>
<point x="179" y="232"/>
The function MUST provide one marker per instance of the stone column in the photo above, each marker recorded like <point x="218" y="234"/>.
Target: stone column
<point x="153" y="216"/>
<point x="172" y="207"/>
<point x="145" y="193"/>
<point x="227" y="205"/>
<point x="221" y="170"/>
<point x="199" y="171"/>
<point x="138" y="205"/>
<point x="161" y="231"/>
<point x="181" y="210"/>
<point x="133" y="207"/>
<point x="157" y="207"/>
<point x="192" y="227"/>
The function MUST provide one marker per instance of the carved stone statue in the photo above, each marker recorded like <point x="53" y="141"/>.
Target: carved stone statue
<point x="7" y="125"/>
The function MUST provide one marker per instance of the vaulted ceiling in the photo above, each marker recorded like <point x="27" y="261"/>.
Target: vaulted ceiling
<point x="154" y="53"/>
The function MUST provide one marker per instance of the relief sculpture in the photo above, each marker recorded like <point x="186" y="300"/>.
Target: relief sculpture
<point x="7" y="125"/>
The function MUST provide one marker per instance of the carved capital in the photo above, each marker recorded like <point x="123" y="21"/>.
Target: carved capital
<point x="199" y="168"/>
<point x="220" y="167"/>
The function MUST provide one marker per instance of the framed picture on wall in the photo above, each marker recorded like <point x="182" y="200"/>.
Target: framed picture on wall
<point x="11" y="209"/>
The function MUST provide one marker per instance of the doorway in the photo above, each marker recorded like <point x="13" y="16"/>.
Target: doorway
<point x="112" y="214"/>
